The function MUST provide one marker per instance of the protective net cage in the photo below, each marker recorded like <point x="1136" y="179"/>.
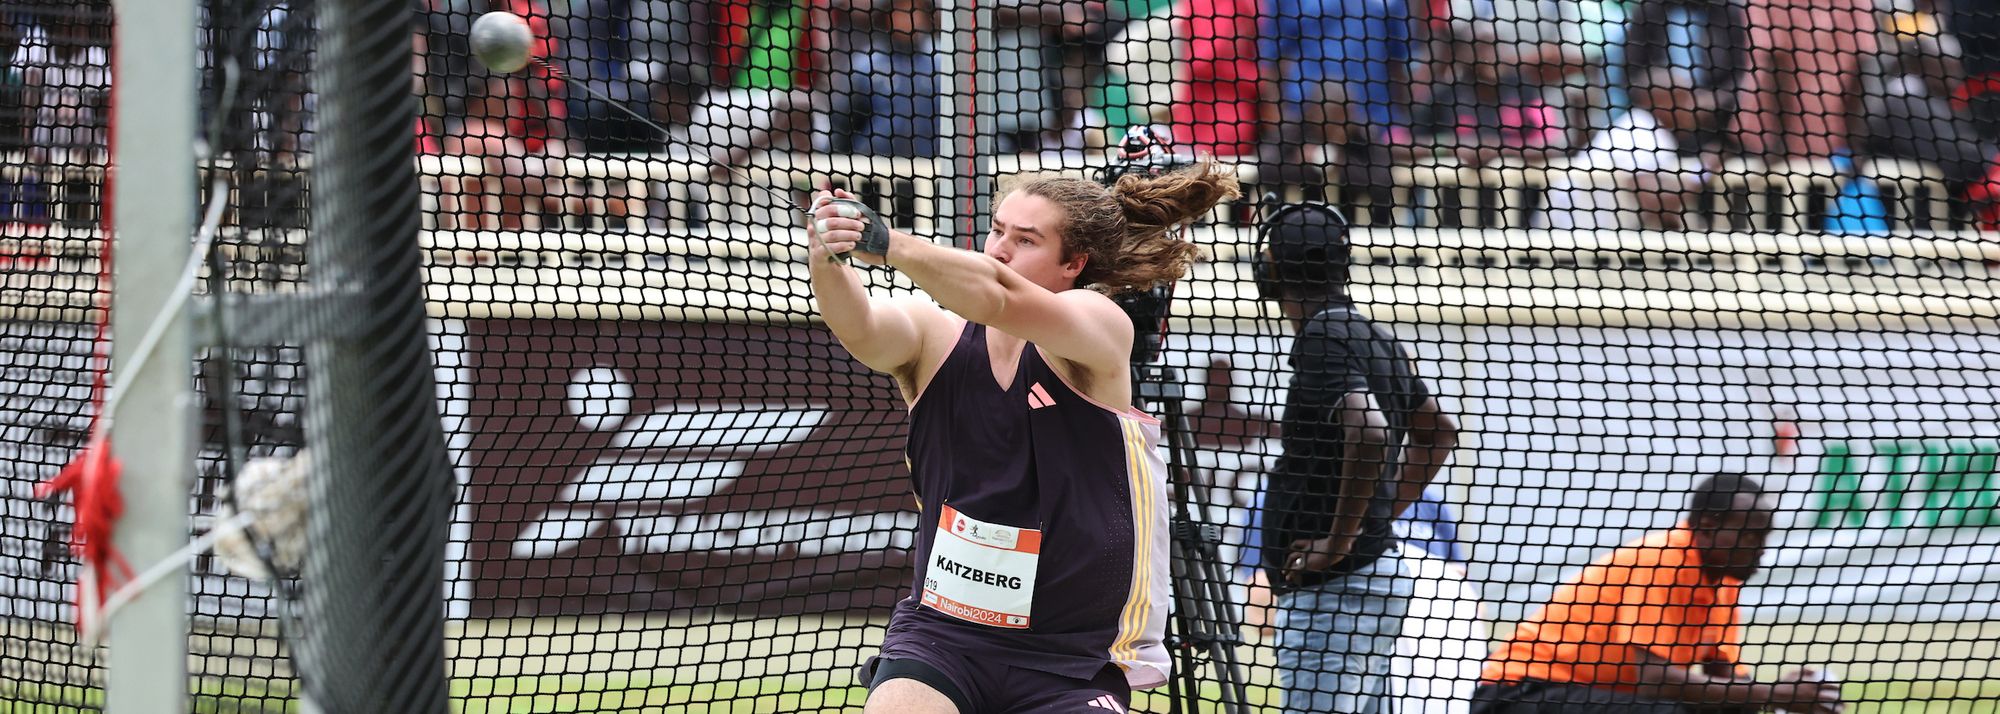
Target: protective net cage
<point x="1615" y="255"/>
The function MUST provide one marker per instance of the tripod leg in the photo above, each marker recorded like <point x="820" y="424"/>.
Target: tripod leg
<point x="1205" y="624"/>
<point x="1202" y="584"/>
<point x="1201" y="580"/>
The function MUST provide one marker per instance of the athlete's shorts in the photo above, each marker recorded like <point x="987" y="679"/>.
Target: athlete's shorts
<point x="988" y="688"/>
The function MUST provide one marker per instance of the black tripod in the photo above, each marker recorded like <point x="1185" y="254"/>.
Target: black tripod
<point x="1204" y="627"/>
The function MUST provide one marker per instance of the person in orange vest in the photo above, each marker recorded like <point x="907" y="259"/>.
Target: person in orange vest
<point x="1653" y="626"/>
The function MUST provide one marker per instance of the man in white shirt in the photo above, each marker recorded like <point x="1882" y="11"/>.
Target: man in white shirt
<point x="1633" y="173"/>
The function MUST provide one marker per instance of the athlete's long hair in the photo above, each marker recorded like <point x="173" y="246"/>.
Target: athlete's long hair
<point x="1128" y="229"/>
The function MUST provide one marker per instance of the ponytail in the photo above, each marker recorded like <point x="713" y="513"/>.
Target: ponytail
<point x="1130" y="231"/>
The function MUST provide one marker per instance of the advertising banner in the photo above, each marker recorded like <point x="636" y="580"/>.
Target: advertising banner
<point x="651" y="466"/>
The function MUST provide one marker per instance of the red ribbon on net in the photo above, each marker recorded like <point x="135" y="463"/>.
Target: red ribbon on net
<point x="91" y="478"/>
<point x="92" y="482"/>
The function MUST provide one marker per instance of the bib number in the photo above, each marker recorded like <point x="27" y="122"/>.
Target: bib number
<point x="982" y="572"/>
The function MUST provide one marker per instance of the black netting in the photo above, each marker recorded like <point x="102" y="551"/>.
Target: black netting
<point x="56" y="88"/>
<point x="1602" y="250"/>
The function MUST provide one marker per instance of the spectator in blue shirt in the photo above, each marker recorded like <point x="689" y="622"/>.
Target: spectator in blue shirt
<point x="623" y="49"/>
<point x="1340" y="67"/>
<point x="891" y="108"/>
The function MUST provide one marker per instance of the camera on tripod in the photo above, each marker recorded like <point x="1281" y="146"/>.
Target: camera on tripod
<point x="1205" y="630"/>
<point x="1145" y="151"/>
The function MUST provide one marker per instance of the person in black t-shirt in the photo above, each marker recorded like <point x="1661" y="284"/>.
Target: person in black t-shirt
<point x="1362" y="438"/>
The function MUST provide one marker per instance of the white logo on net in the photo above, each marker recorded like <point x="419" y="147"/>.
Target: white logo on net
<point x="680" y="453"/>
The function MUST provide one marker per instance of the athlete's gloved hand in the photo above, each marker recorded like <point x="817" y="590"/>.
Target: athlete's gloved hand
<point x="842" y="225"/>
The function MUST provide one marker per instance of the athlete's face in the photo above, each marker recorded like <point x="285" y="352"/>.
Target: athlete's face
<point x="1027" y="238"/>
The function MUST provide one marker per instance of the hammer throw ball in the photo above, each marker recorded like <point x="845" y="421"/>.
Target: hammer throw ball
<point x="502" y="41"/>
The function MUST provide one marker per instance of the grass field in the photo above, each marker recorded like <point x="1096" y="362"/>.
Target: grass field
<point x="804" y="664"/>
<point x="615" y="694"/>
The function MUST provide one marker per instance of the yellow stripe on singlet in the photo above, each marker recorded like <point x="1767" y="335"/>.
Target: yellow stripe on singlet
<point x="1150" y="495"/>
<point x="1138" y="473"/>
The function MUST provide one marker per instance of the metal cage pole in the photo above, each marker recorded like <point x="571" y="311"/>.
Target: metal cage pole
<point x="373" y="575"/>
<point x="154" y="428"/>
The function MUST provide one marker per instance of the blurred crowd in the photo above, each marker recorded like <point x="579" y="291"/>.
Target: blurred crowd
<point x="1646" y="100"/>
<point x="56" y="82"/>
<point x="846" y="76"/>
<point x="1643" y="101"/>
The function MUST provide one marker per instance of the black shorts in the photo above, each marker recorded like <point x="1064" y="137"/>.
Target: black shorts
<point x="988" y="688"/>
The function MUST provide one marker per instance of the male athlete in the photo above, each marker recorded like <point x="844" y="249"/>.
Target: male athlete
<point x="1041" y="578"/>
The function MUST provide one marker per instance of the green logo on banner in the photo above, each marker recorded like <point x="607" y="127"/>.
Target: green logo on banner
<point x="1898" y="483"/>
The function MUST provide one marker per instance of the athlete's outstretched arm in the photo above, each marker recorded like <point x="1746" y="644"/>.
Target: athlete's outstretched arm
<point x="879" y="333"/>
<point x="1081" y="326"/>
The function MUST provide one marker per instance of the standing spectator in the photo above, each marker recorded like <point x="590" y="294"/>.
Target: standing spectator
<point x="286" y="111"/>
<point x="1018" y="86"/>
<point x="1031" y="39"/>
<point x="620" y="48"/>
<point x="1363" y="437"/>
<point x="1805" y="51"/>
<point x="1901" y="108"/>
<point x="891" y="108"/>
<point x="1976" y="24"/>
<point x="1654" y="626"/>
<point x="20" y="197"/>
<point x="1147" y="59"/>
<point x="1342" y="71"/>
<point x="14" y="20"/>
<point x="1705" y="44"/>
<point x="676" y="54"/>
<point x="1079" y="46"/>
<point x="431" y="114"/>
<point x="64" y="60"/>
<point x="770" y="43"/>
<point x="448" y="77"/>
<point x="1218" y="102"/>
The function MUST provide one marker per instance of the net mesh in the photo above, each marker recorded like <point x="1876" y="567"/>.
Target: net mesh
<point x="1625" y="245"/>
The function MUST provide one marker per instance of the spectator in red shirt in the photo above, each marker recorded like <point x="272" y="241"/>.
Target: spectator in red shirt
<point x="1217" y="104"/>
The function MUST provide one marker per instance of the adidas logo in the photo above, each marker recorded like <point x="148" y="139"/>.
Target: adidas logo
<point x="1106" y="701"/>
<point x="1039" y="397"/>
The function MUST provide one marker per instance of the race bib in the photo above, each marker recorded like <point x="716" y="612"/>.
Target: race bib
<point x="981" y="572"/>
